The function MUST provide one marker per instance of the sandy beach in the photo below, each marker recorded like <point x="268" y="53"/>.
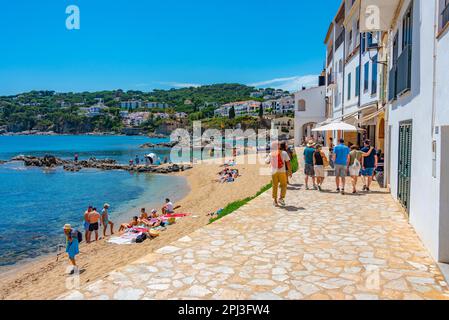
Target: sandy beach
<point x="45" y="278"/>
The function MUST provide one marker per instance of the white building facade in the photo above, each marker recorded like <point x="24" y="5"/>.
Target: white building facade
<point x="310" y="110"/>
<point x="354" y="87"/>
<point x="418" y="119"/>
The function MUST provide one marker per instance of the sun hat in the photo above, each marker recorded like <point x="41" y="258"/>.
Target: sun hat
<point x="67" y="227"/>
<point x="106" y="205"/>
<point x="311" y="143"/>
<point x="153" y="211"/>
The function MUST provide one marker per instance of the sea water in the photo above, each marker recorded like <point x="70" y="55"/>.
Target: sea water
<point x="35" y="203"/>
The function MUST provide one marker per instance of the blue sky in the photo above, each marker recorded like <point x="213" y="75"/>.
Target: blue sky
<point x="147" y="44"/>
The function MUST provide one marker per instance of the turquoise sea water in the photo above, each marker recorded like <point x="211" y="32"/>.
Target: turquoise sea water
<point x="36" y="203"/>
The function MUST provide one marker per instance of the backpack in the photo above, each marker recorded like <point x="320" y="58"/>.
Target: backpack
<point x="280" y="162"/>
<point x="141" y="238"/>
<point x="79" y="235"/>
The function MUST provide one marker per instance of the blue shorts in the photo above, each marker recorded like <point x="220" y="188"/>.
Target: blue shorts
<point x="86" y="225"/>
<point x="367" y="172"/>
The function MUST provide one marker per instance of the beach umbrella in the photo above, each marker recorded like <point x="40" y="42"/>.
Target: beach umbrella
<point x="337" y="126"/>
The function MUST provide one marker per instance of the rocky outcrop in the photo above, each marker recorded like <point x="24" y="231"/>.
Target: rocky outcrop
<point x="148" y="145"/>
<point x="47" y="161"/>
<point x="50" y="161"/>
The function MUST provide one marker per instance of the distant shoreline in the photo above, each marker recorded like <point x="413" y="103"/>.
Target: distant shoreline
<point x="27" y="133"/>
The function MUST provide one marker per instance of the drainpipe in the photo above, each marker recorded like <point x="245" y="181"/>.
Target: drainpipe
<point x="434" y="85"/>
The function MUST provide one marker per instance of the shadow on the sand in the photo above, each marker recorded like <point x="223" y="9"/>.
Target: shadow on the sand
<point x="292" y="208"/>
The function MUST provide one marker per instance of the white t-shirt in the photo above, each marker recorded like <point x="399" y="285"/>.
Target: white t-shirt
<point x="274" y="162"/>
<point x="169" y="206"/>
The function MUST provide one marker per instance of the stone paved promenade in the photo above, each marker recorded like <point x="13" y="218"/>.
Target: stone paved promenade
<point x="320" y="246"/>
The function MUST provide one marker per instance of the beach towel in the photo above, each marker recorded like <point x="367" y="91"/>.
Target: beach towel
<point x="128" y="237"/>
<point x="175" y="215"/>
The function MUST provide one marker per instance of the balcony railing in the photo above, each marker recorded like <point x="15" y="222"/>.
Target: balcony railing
<point x="445" y="16"/>
<point x="400" y="78"/>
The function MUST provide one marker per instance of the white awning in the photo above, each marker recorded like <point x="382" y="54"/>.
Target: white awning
<point x="377" y="15"/>
<point x="337" y="126"/>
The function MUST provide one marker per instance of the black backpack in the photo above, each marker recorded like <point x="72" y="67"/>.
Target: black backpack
<point x="79" y="235"/>
<point x="141" y="238"/>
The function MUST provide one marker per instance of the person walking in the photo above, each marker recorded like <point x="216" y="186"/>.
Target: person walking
<point x="369" y="164"/>
<point x="341" y="153"/>
<point x="105" y="220"/>
<point x="355" y="159"/>
<point x="280" y="168"/>
<point x="284" y="147"/>
<point x="319" y="162"/>
<point x="331" y="152"/>
<point x="308" y="166"/>
<point x="72" y="245"/>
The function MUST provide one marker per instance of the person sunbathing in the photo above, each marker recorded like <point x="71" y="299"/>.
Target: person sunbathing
<point x="153" y="221"/>
<point x="143" y="214"/>
<point x="134" y="222"/>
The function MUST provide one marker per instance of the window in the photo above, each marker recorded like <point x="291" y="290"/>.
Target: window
<point x="366" y="77"/>
<point x="444" y="13"/>
<point x="407" y="28"/>
<point x="301" y="105"/>
<point x="349" y="86"/>
<point x="374" y="76"/>
<point x="357" y="81"/>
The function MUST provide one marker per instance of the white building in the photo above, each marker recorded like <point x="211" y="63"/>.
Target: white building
<point x="310" y="110"/>
<point x="132" y="104"/>
<point x="241" y="108"/>
<point x="354" y="87"/>
<point x="284" y="126"/>
<point x="285" y="105"/>
<point x="156" y="105"/>
<point x="95" y="110"/>
<point x="135" y="119"/>
<point x="418" y="119"/>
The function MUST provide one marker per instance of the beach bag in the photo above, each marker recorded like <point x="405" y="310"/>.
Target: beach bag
<point x="325" y="160"/>
<point x="278" y="162"/>
<point x="79" y="235"/>
<point x="141" y="238"/>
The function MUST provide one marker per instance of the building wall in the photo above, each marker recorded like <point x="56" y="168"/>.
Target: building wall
<point x="416" y="105"/>
<point x="442" y="138"/>
<point x="315" y="109"/>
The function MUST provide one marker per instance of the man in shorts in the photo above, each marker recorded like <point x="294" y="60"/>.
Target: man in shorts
<point x="86" y="223"/>
<point x="94" y="218"/>
<point x="341" y="153"/>
<point x="309" y="170"/>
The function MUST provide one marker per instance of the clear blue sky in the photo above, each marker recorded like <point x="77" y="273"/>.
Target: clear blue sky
<point x="146" y="44"/>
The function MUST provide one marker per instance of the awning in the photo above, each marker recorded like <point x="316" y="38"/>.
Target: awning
<point x="371" y="116"/>
<point x="377" y="15"/>
<point x="337" y="126"/>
